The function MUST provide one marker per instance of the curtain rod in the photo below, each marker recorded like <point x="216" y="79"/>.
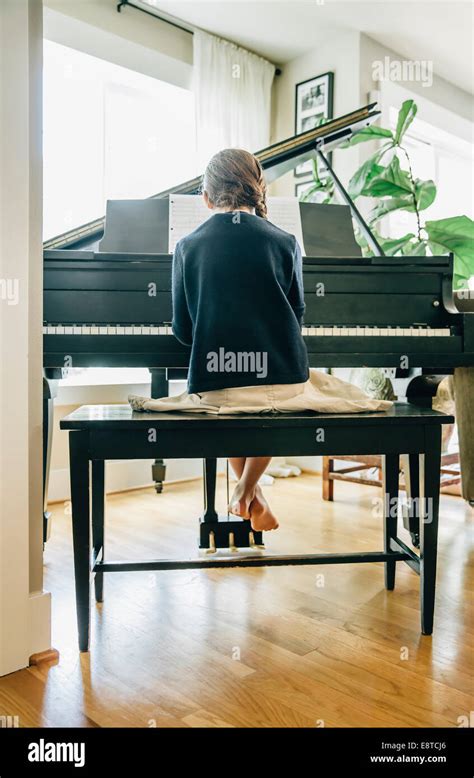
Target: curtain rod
<point x="168" y="21"/>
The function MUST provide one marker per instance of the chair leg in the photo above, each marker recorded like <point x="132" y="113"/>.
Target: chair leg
<point x="390" y="467"/>
<point x="430" y="463"/>
<point x="328" y="483"/>
<point x="79" y="468"/>
<point x="98" y="497"/>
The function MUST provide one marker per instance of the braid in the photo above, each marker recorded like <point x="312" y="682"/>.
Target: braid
<point x="234" y="179"/>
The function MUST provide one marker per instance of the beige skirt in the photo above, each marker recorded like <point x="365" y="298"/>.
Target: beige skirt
<point x="322" y="393"/>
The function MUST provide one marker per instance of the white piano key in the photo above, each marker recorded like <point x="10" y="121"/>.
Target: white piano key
<point x="360" y="331"/>
<point x="155" y="330"/>
<point x="161" y="330"/>
<point x="68" y="330"/>
<point x="76" y="330"/>
<point x="85" y="330"/>
<point x="94" y="330"/>
<point x="344" y="331"/>
<point x="336" y="332"/>
<point x="128" y="330"/>
<point x="50" y="330"/>
<point x="423" y="332"/>
<point x="45" y="330"/>
<point x="59" y="329"/>
<point x="377" y="331"/>
<point x="146" y="330"/>
<point x="328" y="331"/>
<point x="384" y="332"/>
<point x="111" y="330"/>
<point x="102" y="330"/>
<point x="169" y="329"/>
<point x="352" y="331"/>
<point x="368" y="331"/>
<point x="120" y="330"/>
<point x="431" y="332"/>
<point x="136" y="330"/>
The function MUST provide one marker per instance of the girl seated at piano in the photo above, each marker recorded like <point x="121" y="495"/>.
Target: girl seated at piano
<point x="238" y="302"/>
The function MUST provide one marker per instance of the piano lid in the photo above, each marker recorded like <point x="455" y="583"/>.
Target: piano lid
<point x="276" y="160"/>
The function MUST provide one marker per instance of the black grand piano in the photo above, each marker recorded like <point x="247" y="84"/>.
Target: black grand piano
<point x="391" y="312"/>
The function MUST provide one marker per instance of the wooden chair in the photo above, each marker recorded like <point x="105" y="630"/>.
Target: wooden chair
<point x="361" y="463"/>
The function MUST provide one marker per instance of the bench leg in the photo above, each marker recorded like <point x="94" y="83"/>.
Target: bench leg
<point x="411" y="521"/>
<point x="390" y="467"/>
<point x="98" y="497"/>
<point x="79" y="468"/>
<point x="430" y="464"/>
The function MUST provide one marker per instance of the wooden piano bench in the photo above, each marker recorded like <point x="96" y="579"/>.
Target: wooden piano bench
<point x="104" y="432"/>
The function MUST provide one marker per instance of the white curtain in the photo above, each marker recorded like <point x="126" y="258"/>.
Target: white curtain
<point x="232" y="90"/>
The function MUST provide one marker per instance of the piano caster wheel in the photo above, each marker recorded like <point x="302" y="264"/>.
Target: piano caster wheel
<point x="158" y="487"/>
<point x="232" y="547"/>
<point x="415" y="539"/>
<point x="252" y="543"/>
<point x="212" y="544"/>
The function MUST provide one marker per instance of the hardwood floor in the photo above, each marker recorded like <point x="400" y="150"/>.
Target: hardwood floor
<point x="293" y="647"/>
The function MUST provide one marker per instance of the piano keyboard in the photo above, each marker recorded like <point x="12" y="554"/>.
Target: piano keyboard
<point x="309" y="331"/>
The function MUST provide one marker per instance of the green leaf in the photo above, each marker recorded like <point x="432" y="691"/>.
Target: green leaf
<point x="391" y="181"/>
<point x="365" y="134"/>
<point x="454" y="234"/>
<point x="364" y="174"/>
<point x="392" y="245"/>
<point x="389" y="205"/>
<point x="425" y="192"/>
<point x="405" y="117"/>
<point x="415" y="248"/>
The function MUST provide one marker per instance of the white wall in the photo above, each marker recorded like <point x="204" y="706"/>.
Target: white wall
<point x="130" y="38"/>
<point x="339" y="52"/>
<point x="441" y="92"/>
<point x="24" y="607"/>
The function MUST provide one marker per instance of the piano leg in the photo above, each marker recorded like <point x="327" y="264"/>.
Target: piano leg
<point x="159" y="388"/>
<point x="49" y="393"/>
<point x="411" y="520"/>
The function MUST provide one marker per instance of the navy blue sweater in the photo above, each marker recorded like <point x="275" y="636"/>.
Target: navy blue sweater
<point x="238" y="302"/>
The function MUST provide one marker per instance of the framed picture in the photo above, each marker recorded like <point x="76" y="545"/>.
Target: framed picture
<point x="313" y="106"/>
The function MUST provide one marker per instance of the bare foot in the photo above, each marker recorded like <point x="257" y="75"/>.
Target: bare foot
<point x="240" y="502"/>
<point x="261" y="516"/>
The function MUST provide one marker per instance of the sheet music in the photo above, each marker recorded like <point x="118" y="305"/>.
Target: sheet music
<point x="186" y="213"/>
<point x="284" y="212"/>
<point x="189" y="211"/>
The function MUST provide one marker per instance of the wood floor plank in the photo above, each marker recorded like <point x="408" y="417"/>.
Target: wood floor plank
<point x="292" y="647"/>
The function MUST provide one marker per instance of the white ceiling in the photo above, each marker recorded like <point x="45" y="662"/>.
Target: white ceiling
<point x="438" y="30"/>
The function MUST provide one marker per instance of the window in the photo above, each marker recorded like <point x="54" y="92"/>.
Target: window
<point x="447" y="160"/>
<point x="109" y="133"/>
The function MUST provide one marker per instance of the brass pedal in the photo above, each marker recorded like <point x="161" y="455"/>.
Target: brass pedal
<point x="212" y="544"/>
<point x="252" y="542"/>
<point x="232" y="547"/>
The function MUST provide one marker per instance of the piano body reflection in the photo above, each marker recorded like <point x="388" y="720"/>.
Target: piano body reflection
<point x="397" y="312"/>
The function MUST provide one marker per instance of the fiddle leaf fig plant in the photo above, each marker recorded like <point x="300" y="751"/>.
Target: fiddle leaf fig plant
<point x="388" y="178"/>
